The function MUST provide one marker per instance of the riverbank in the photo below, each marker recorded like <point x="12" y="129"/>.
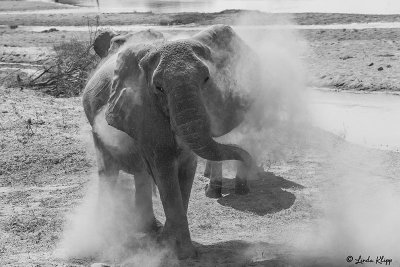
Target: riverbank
<point x="361" y="60"/>
<point x="73" y="17"/>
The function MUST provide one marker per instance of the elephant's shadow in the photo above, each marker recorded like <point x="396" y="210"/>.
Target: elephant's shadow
<point x="262" y="254"/>
<point x="266" y="195"/>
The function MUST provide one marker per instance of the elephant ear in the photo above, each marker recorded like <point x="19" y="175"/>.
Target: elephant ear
<point x="102" y="43"/>
<point x="125" y="98"/>
<point x="233" y="77"/>
<point x="227" y="48"/>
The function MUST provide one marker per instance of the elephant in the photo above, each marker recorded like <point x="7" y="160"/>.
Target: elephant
<point x="108" y="42"/>
<point x="163" y="102"/>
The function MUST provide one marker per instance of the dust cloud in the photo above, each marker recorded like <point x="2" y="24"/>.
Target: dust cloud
<point x="276" y="83"/>
<point x="359" y="199"/>
<point x="360" y="208"/>
<point x="104" y="226"/>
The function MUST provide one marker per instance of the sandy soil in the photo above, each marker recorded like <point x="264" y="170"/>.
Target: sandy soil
<point x="365" y="60"/>
<point x="46" y="169"/>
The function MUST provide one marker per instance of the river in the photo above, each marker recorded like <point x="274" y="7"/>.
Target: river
<point x="368" y="119"/>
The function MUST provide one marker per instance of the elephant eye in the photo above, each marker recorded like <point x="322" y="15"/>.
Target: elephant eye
<point x="206" y="79"/>
<point x="159" y="88"/>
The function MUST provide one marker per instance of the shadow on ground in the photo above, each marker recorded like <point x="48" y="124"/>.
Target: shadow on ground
<point x="241" y="253"/>
<point x="229" y="253"/>
<point x="266" y="194"/>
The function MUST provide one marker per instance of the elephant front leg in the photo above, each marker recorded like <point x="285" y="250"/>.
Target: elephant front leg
<point x="108" y="171"/>
<point x="214" y="188"/>
<point x="176" y="229"/>
<point x="207" y="170"/>
<point x="242" y="175"/>
<point x="144" y="203"/>
<point x="187" y="170"/>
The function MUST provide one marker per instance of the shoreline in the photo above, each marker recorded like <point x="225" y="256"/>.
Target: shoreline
<point x="361" y="60"/>
<point x="232" y="17"/>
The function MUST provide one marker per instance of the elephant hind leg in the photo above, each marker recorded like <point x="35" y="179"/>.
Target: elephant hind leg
<point x="242" y="174"/>
<point x="207" y="170"/>
<point x="214" y="188"/>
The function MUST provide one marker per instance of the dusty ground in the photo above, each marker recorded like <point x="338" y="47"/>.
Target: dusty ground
<point x="45" y="171"/>
<point x="365" y="60"/>
<point x="47" y="159"/>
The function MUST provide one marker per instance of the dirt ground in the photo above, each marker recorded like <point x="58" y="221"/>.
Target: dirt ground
<point x="46" y="168"/>
<point x="47" y="157"/>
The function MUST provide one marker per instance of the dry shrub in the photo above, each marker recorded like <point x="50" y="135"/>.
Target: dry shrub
<point x="66" y="74"/>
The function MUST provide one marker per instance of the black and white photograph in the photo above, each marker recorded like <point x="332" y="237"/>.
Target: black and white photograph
<point x="199" y="133"/>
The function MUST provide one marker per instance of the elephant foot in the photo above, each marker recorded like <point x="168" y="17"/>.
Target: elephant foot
<point x="241" y="187"/>
<point x="214" y="190"/>
<point x="182" y="247"/>
<point x="154" y="226"/>
<point x="185" y="252"/>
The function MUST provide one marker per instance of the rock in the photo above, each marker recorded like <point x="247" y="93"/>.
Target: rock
<point x="388" y="66"/>
<point x="100" y="265"/>
<point x="370" y="64"/>
<point x="50" y="30"/>
<point x="380" y="68"/>
<point x="13" y="27"/>
<point x="346" y="57"/>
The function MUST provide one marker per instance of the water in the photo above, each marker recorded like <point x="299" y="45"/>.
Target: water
<point x="289" y="6"/>
<point x="371" y="120"/>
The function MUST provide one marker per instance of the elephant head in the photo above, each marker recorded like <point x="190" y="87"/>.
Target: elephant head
<point x="182" y="80"/>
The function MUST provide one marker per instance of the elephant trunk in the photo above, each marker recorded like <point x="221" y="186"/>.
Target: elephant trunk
<point x="192" y="125"/>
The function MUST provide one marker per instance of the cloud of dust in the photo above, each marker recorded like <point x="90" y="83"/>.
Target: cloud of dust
<point x="360" y="208"/>
<point x="359" y="202"/>
<point x="277" y="86"/>
<point x="103" y="227"/>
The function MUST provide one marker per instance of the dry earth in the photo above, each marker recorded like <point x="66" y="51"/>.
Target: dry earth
<point x="45" y="171"/>
<point x="47" y="159"/>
